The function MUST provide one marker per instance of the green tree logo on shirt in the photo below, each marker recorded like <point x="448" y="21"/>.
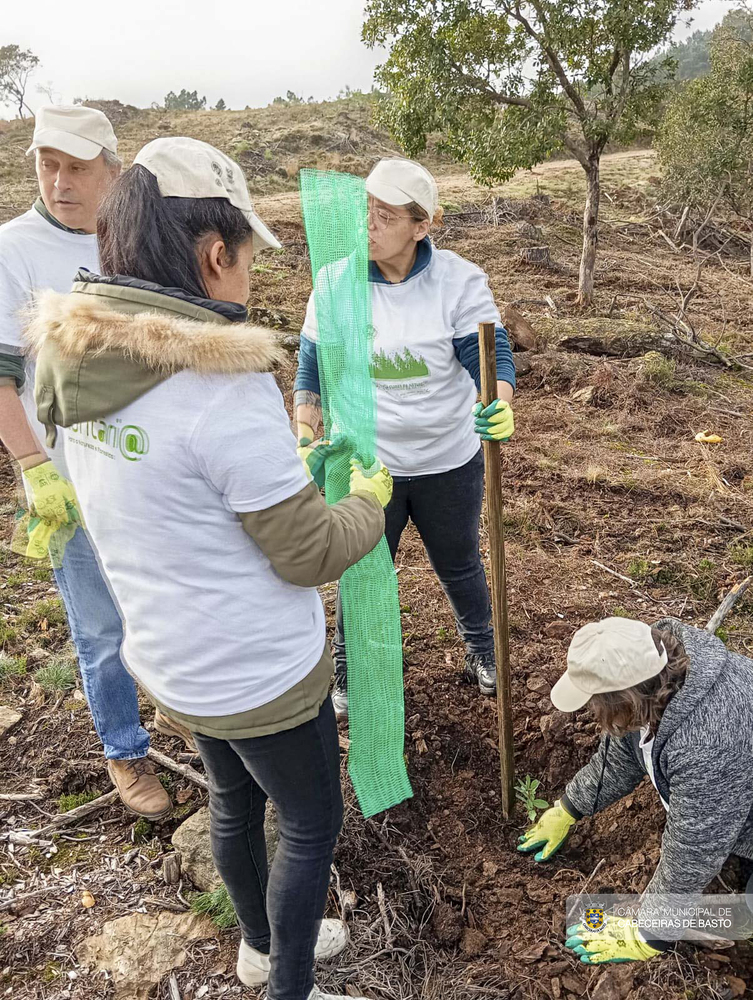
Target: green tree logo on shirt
<point x="397" y="366"/>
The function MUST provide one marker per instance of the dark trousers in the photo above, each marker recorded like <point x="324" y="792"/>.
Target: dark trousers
<point x="446" y="510"/>
<point x="299" y="771"/>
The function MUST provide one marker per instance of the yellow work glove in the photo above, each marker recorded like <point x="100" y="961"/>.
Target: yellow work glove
<point x="494" y="422"/>
<point x="619" y="940"/>
<point x="549" y="832"/>
<point x="376" y="480"/>
<point x="53" y="518"/>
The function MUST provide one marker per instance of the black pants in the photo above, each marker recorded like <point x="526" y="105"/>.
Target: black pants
<point x="299" y="771"/>
<point x="446" y="510"/>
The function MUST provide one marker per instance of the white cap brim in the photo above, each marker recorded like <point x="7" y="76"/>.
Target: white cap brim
<point x="65" y="142"/>
<point x="566" y="697"/>
<point x="263" y="238"/>
<point x="387" y="193"/>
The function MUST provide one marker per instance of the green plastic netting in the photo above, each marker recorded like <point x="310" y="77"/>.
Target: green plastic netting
<point x="334" y="212"/>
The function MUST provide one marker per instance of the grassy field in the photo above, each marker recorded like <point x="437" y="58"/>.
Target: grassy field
<point x="611" y="508"/>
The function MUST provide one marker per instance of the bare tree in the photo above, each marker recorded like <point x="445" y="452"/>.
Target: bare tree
<point x="16" y="66"/>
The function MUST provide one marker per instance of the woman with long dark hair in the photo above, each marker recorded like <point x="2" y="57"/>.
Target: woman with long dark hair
<point x="674" y="705"/>
<point x="209" y="532"/>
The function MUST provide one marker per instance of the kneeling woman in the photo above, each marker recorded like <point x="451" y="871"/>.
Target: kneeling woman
<point x="212" y="539"/>
<point x="676" y="705"/>
<point x="426" y="308"/>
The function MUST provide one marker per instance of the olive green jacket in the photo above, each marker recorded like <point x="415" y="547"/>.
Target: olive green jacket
<point x="113" y="340"/>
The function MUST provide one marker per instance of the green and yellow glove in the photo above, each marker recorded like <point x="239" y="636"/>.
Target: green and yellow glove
<point x="376" y="480"/>
<point x="549" y="832"/>
<point x="314" y="454"/>
<point x="54" y="516"/>
<point x="619" y="940"/>
<point x="494" y="422"/>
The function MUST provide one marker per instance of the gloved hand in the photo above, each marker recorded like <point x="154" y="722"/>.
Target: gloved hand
<point x="376" y="480"/>
<point x="314" y="454"/>
<point x="619" y="940"/>
<point x="550" y="832"/>
<point x="53" y="519"/>
<point x="495" y="422"/>
<point x="53" y="497"/>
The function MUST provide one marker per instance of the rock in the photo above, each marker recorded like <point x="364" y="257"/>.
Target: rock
<point x="573" y="985"/>
<point x="736" y="985"/>
<point x="472" y="942"/>
<point x="141" y="949"/>
<point x="536" y="682"/>
<point x="558" y="629"/>
<point x="37" y="655"/>
<point x="8" y="718"/>
<point x="520" y="330"/>
<point x="584" y="395"/>
<point x="613" y="984"/>
<point x="191" y="840"/>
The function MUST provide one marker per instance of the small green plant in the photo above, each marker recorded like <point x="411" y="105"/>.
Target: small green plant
<point x="525" y="792"/>
<point x="15" y="579"/>
<point x="620" y="612"/>
<point x="73" y="801"/>
<point x="11" y="666"/>
<point x="658" y="369"/>
<point x="166" y="780"/>
<point x="60" y="675"/>
<point x="443" y="634"/>
<point x="217" y="906"/>
<point x="639" y="569"/>
<point x="42" y="574"/>
<point x="268" y="155"/>
<point x="722" y="633"/>
<point x="742" y="555"/>
<point x="142" y="831"/>
<point x="50" y="611"/>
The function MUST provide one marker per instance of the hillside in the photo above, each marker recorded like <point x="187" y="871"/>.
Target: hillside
<point x="612" y="507"/>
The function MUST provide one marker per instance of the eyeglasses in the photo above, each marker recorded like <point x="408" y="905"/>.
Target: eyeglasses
<point x="381" y="219"/>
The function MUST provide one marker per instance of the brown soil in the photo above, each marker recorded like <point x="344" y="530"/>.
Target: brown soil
<point x="618" y="480"/>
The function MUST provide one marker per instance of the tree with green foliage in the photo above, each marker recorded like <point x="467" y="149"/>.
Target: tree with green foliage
<point x="705" y="142"/>
<point x="220" y="105"/>
<point x="508" y="83"/>
<point x="186" y="100"/>
<point x="16" y="66"/>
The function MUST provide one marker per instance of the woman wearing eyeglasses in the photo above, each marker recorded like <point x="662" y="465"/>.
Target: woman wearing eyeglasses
<point x="426" y="307"/>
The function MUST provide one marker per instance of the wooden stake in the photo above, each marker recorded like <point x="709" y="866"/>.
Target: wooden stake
<point x="494" y="517"/>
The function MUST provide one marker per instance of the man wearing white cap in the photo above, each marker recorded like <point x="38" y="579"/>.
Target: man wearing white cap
<point x="76" y="160"/>
<point x="674" y="705"/>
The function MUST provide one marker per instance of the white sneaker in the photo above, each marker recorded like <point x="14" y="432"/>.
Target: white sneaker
<point x="253" y="966"/>
<point x="316" y="994"/>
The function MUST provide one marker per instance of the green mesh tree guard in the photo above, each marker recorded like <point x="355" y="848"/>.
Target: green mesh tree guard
<point x="334" y="212"/>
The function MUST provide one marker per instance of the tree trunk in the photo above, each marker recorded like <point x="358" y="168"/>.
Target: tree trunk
<point x="590" y="231"/>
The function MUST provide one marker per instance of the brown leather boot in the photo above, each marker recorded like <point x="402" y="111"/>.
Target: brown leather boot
<point x="171" y="727"/>
<point x="139" y="787"/>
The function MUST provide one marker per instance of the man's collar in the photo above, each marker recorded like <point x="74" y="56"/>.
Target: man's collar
<point x="46" y="214"/>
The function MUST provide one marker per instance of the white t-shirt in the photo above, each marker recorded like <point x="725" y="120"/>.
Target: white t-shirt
<point x="34" y="256"/>
<point x="647" y="746"/>
<point x="210" y="628"/>
<point x="424" y="396"/>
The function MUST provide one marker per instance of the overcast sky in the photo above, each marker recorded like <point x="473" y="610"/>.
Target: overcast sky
<point x="247" y="53"/>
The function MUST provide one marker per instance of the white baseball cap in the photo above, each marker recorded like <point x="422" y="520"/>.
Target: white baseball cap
<point x="610" y="655"/>
<point x="399" y="182"/>
<point x="190" y="168"/>
<point x="73" y="129"/>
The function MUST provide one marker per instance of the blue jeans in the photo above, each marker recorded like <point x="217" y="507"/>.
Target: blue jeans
<point x="446" y="509"/>
<point x="97" y="632"/>
<point x="279" y="911"/>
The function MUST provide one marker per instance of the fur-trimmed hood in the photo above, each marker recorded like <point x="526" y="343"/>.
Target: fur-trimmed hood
<point x="165" y="341"/>
<point x="109" y="341"/>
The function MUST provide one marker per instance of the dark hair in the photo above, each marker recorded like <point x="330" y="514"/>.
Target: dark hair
<point x="143" y="235"/>
<point x="621" y="712"/>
